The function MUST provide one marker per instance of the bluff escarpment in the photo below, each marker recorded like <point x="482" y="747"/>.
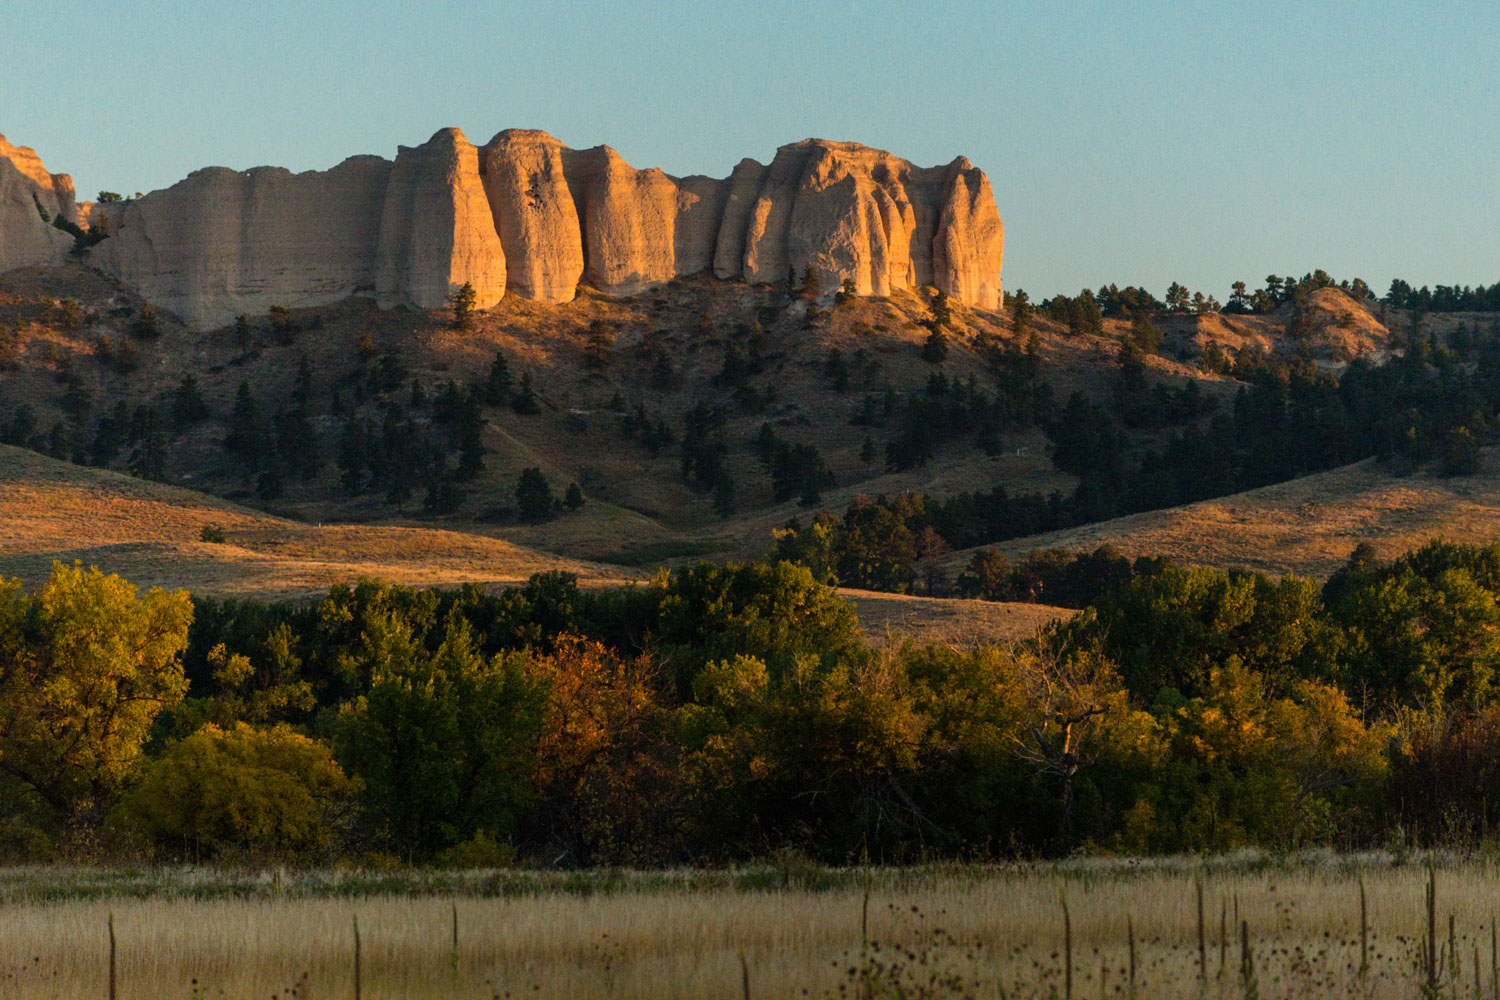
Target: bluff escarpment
<point x="526" y="215"/>
<point x="30" y="198"/>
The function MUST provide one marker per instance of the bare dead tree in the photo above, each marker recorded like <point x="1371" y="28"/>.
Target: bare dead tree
<point x="1065" y="695"/>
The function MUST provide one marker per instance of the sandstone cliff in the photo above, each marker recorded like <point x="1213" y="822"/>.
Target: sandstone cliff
<point x="225" y="242"/>
<point x="534" y="214"/>
<point x="54" y="190"/>
<point x="528" y="215"/>
<point x="26" y="191"/>
<point x="437" y="233"/>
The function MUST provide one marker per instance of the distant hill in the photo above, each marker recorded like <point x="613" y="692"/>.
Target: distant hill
<point x="1306" y="526"/>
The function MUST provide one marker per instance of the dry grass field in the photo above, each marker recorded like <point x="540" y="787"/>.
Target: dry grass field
<point x="1306" y="526"/>
<point x="150" y="534"/>
<point x="948" y="621"/>
<point x="948" y="932"/>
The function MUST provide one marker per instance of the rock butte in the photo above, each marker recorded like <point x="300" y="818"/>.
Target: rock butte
<point x="524" y="215"/>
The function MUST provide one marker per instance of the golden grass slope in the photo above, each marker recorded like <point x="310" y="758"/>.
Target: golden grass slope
<point x="1306" y="526"/>
<point x="948" y="621"/>
<point x="149" y="534"/>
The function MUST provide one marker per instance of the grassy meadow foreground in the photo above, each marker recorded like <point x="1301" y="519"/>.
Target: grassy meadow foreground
<point x="800" y="931"/>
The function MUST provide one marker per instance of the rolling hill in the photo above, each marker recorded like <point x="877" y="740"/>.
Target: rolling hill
<point x="151" y="534"/>
<point x="1307" y="526"/>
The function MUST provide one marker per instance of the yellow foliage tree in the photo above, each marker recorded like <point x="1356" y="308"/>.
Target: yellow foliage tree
<point x="85" y="667"/>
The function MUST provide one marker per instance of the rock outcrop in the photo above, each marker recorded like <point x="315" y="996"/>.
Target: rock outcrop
<point x="534" y="214"/>
<point x="629" y="220"/>
<point x="54" y="190"/>
<point x="437" y="233"/>
<point x="525" y="214"/>
<point x="27" y="192"/>
<point x="225" y="242"/>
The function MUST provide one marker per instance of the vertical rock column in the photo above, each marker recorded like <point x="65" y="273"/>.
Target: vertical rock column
<point x="534" y="214"/>
<point x="969" y="246"/>
<point x="629" y="220"/>
<point x="437" y="232"/>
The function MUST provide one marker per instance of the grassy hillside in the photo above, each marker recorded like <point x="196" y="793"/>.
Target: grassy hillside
<point x="151" y="534"/>
<point x="1306" y="526"/>
<point x="668" y="354"/>
<point x="639" y="503"/>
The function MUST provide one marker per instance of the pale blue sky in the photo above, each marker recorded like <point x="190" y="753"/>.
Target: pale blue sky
<point x="1130" y="142"/>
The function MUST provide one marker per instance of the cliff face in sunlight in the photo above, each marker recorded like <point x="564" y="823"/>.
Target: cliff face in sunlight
<point x="528" y="216"/>
<point x="27" y="192"/>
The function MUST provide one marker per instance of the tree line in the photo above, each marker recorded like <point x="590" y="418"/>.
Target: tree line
<point x="718" y="713"/>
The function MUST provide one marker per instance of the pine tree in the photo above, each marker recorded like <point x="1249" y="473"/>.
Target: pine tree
<point x="247" y="434"/>
<point x="599" y="345"/>
<point x="188" y="407"/>
<point x="533" y="495"/>
<point x="812" y="282"/>
<point x="662" y="373"/>
<point x="148" y="457"/>
<point x="935" y="347"/>
<point x="471" y="449"/>
<point x="464" y="300"/>
<point x="497" y="385"/>
<point x="283" y="325"/>
<point x="147" y="327"/>
<point x="242" y="331"/>
<point x="573" y="499"/>
<point x="109" y="435"/>
<point x="942" y="314"/>
<point x="837" y="370"/>
<point x="526" y="402"/>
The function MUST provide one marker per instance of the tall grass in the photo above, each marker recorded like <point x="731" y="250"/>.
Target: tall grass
<point x="1309" y="927"/>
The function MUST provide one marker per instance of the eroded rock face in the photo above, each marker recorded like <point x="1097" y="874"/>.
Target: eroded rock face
<point x="225" y="242"/>
<point x="744" y="189"/>
<point x="970" y="243"/>
<point x="437" y="233"/>
<point x="528" y="215"/>
<point x="54" y="190"/>
<point x="629" y="221"/>
<point x="26" y="191"/>
<point x="25" y="239"/>
<point x="534" y="214"/>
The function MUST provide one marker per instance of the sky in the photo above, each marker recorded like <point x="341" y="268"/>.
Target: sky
<point x="1133" y="143"/>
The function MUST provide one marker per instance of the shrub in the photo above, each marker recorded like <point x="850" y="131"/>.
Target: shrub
<point x="263" y="789"/>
